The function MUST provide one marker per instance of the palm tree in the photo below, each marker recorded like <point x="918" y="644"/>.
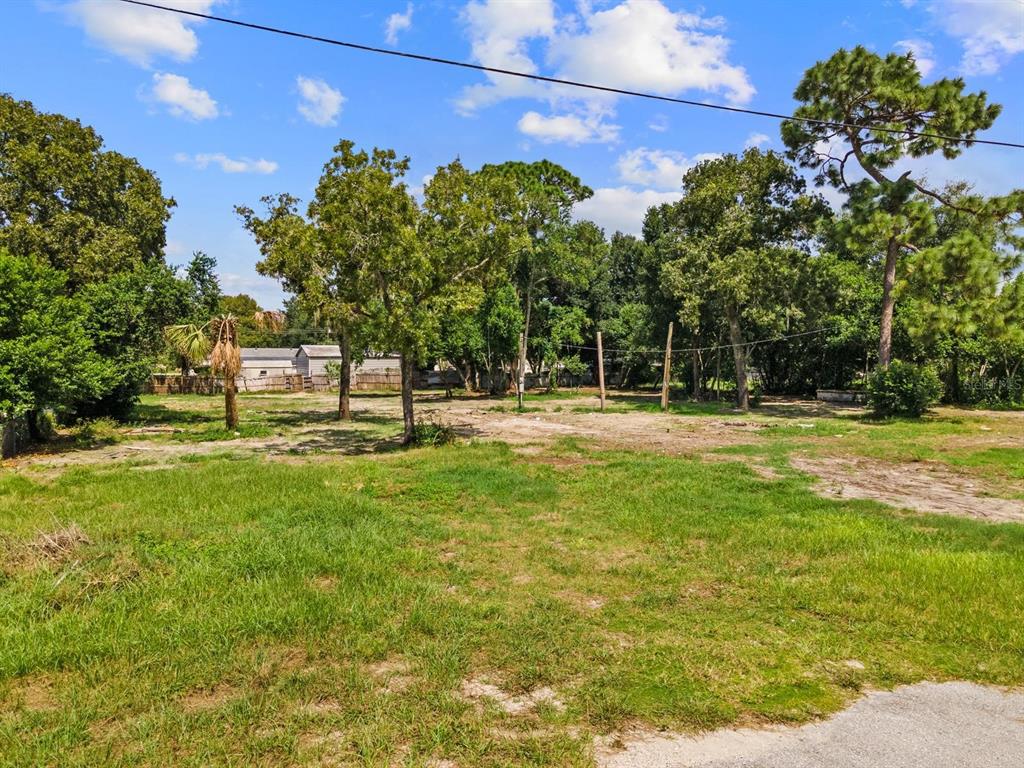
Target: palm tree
<point x="218" y="338"/>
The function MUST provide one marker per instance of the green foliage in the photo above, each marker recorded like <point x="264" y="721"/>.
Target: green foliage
<point x="48" y="358"/>
<point x="737" y="243"/>
<point x="332" y="369"/>
<point x="434" y="432"/>
<point x="87" y="211"/>
<point x="251" y="333"/>
<point x="903" y="389"/>
<point x="853" y="100"/>
<point x="88" y="433"/>
<point x="91" y="222"/>
<point x="201" y="275"/>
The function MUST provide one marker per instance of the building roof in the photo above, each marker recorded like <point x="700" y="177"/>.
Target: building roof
<point x="269" y="353"/>
<point x="320" y="350"/>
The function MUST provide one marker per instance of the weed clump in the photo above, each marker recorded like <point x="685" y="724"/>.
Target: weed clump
<point x="434" y="432"/>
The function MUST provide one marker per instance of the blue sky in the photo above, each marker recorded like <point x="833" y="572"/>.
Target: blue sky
<point x="225" y="115"/>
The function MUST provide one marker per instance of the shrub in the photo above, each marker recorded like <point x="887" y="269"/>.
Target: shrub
<point x="434" y="432"/>
<point x="90" y="432"/>
<point x="903" y="389"/>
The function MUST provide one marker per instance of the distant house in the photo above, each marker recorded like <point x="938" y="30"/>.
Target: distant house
<point x="258" y="362"/>
<point x="312" y="360"/>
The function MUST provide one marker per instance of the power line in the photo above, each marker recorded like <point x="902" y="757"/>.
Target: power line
<point x="557" y="80"/>
<point x="712" y="348"/>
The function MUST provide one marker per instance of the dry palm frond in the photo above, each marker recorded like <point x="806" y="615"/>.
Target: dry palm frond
<point x="226" y="357"/>
<point x="269" y="320"/>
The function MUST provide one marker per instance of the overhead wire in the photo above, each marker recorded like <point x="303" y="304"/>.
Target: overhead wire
<point x="712" y="348"/>
<point x="561" y="81"/>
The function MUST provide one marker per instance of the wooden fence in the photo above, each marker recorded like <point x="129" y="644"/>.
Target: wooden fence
<point x="388" y="379"/>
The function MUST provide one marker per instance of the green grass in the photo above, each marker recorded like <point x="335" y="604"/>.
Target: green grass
<point x="230" y="610"/>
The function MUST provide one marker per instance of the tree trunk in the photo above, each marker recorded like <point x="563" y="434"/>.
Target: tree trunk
<point x="35" y="434"/>
<point x="230" y="402"/>
<point x="954" y="374"/>
<point x="888" y="304"/>
<point x="718" y="369"/>
<point x="739" y="354"/>
<point x="695" y="364"/>
<point x="524" y="337"/>
<point x="345" y="379"/>
<point x="8" y="440"/>
<point x="409" y="424"/>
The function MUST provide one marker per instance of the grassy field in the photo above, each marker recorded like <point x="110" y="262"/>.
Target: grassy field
<point x="229" y="608"/>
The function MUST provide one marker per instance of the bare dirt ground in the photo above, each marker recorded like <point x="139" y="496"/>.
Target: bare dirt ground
<point x="304" y="430"/>
<point x="921" y="486"/>
<point x="928" y="725"/>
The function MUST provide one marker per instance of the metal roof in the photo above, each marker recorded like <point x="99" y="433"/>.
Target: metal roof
<point x="269" y="353"/>
<point x="321" y="350"/>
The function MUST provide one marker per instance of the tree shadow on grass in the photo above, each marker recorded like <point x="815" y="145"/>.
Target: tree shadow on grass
<point x="351" y="440"/>
<point x="155" y="413"/>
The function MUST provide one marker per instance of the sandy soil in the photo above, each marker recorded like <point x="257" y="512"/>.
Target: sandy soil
<point x="921" y="486"/>
<point x="928" y="725"/>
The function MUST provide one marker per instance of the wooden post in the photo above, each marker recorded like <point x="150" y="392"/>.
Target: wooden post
<point x="600" y="368"/>
<point x="521" y="373"/>
<point x="667" y="371"/>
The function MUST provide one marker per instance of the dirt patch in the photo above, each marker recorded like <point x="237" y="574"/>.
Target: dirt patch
<point x="582" y="602"/>
<point x="928" y="724"/>
<point x="920" y="486"/>
<point x="35" y="694"/>
<point x="477" y="690"/>
<point x="329" y="747"/>
<point x="393" y="674"/>
<point x="208" y="698"/>
<point x="324" y="583"/>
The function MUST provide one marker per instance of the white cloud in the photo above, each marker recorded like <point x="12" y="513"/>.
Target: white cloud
<point x="181" y="98"/>
<point x="140" y="34"/>
<point x="659" y="123"/>
<point x="923" y="54"/>
<point x="397" y="22"/>
<point x="756" y="140"/>
<point x="569" y="129"/>
<point x="638" y="44"/>
<point x="499" y="31"/>
<point x="320" y="104"/>
<point x="621" y="209"/>
<point x="661" y="169"/>
<point x="991" y="31"/>
<point x="227" y="164"/>
<point x="642" y="45"/>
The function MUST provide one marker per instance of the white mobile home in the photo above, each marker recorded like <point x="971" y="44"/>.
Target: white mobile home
<point x="260" y="362"/>
<point x="312" y="360"/>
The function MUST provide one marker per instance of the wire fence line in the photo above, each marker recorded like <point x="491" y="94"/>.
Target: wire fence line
<point x="712" y="348"/>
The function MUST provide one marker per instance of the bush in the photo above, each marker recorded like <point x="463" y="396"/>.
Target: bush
<point x="434" y="432"/>
<point x="903" y="389"/>
<point x="90" y="432"/>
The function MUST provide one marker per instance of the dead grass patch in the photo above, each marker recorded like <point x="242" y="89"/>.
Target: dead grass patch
<point x="60" y="544"/>
<point x="480" y="691"/>
<point x="206" y="699"/>
<point x="393" y="674"/>
<point x="582" y="602"/>
<point x="325" y="583"/>
<point x="34" y="694"/>
<point x="330" y="747"/>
